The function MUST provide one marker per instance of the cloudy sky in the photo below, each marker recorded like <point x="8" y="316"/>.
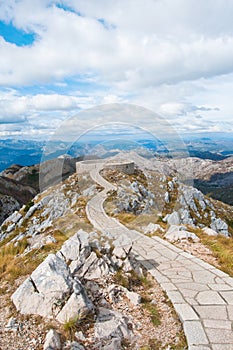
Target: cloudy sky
<point x="57" y="58"/>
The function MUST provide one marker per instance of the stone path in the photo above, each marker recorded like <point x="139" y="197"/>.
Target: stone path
<point x="201" y="294"/>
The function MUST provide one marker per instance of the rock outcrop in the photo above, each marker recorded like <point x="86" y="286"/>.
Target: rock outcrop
<point x="194" y="209"/>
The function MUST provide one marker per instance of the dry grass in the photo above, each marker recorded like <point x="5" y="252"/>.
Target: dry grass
<point x="14" y="263"/>
<point x="222" y="248"/>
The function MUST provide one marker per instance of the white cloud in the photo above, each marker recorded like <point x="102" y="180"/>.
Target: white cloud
<point x="157" y="42"/>
<point x="175" y="57"/>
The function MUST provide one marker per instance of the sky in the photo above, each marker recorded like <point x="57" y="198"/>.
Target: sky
<point x="57" y="58"/>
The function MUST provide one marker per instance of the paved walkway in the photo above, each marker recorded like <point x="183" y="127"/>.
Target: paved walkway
<point x="201" y="294"/>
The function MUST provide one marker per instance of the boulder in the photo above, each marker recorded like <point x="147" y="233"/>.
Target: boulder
<point x="93" y="268"/>
<point x="111" y="324"/>
<point x="219" y="226"/>
<point x="208" y="231"/>
<point x="50" y="282"/>
<point x="173" y="218"/>
<point x="77" y="306"/>
<point x="152" y="228"/>
<point x="178" y="233"/>
<point x="52" y="341"/>
<point x="113" y="344"/>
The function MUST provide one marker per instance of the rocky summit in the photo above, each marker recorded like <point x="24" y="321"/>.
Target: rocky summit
<point x="85" y="263"/>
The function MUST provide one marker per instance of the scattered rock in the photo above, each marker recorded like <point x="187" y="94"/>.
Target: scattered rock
<point x="178" y="233"/>
<point x="219" y="226"/>
<point x="111" y="324"/>
<point x="113" y="344"/>
<point x="173" y="218"/>
<point x="77" y="306"/>
<point x="208" y="231"/>
<point x="12" y="325"/>
<point x="52" y="341"/>
<point x="150" y="228"/>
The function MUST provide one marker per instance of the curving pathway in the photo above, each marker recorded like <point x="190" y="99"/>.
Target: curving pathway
<point x="201" y="294"/>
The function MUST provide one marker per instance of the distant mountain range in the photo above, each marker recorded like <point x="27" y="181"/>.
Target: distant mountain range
<point x="30" y="152"/>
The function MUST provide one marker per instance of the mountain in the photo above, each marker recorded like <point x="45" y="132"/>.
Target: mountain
<point x="88" y="284"/>
<point x="19" y="184"/>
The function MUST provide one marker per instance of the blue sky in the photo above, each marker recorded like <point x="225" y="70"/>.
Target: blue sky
<point x="58" y="58"/>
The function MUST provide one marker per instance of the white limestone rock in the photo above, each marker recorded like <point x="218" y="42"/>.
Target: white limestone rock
<point x="93" y="268"/>
<point x="52" y="341"/>
<point x="152" y="228"/>
<point x="208" y="231"/>
<point x="50" y="282"/>
<point x="219" y="226"/>
<point x="111" y="324"/>
<point x="178" y="233"/>
<point x="173" y="218"/>
<point x="77" y="306"/>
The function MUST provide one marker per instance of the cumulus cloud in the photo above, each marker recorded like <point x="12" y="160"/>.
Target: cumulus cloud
<point x="137" y="50"/>
<point x="175" y="57"/>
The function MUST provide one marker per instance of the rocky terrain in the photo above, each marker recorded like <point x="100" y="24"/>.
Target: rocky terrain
<point x="53" y="262"/>
<point x="19" y="184"/>
<point x="214" y="178"/>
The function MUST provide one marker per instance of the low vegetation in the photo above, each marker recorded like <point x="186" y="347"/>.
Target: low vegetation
<point x="222" y="248"/>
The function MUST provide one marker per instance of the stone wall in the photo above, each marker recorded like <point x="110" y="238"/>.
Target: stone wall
<point x="124" y="167"/>
<point x="88" y="165"/>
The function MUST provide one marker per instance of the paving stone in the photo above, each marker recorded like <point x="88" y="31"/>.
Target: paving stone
<point x="185" y="312"/>
<point x="186" y="255"/>
<point x="209" y="298"/>
<point x="219" y="287"/>
<point x="164" y="267"/>
<point x="220" y="336"/>
<point x="193" y="286"/>
<point x="203" y="276"/>
<point x="158" y="276"/>
<point x="219" y="324"/>
<point x="147" y="264"/>
<point x="168" y="286"/>
<point x="168" y="253"/>
<point x="175" y="297"/>
<point x="195" y="333"/>
<point x="222" y="347"/>
<point x="219" y="273"/>
<point x="198" y="347"/>
<point x="230" y="312"/>
<point x="191" y="301"/>
<point x="228" y="280"/>
<point x="179" y="281"/>
<point x="188" y="293"/>
<point x="212" y="312"/>
<point x="228" y="296"/>
<point x="204" y="264"/>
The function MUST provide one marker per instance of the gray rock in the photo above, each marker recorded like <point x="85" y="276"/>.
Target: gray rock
<point x="74" y="346"/>
<point x="113" y="344"/>
<point x="152" y="228"/>
<point x="111" y="324"/>
<point x="50" y="282"/>
<point x="8" y="205"/>
<point x="133" y="297"/>
<point x="208" y="231"/>
<point x="167" y="197"/>
<point x="80" y="336"/>
<point x="52" y="341"/>
<point x="185" y="217"/>
<point x="12" y="325"/>
<point x="178" y="233"/>
<point x="93" y="268"/>
<point x="77" y="306"/>
<point x="173" y="218"/>
<point x="219" y="226"/>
